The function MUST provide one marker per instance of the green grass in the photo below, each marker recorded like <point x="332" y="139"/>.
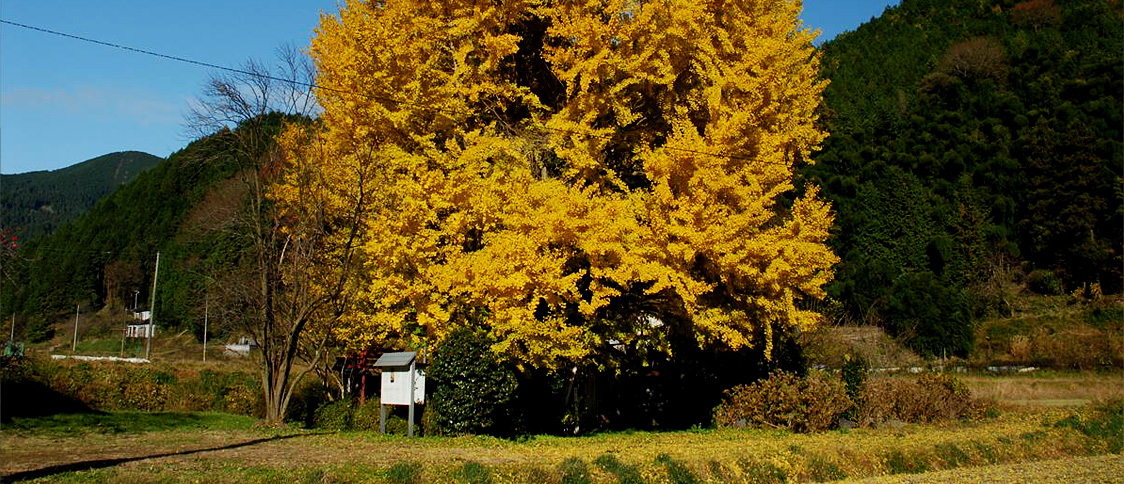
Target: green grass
<point x="1103" y="423"/>
<point x="749" y="456"/>
<point x="474" y="473"/>
<point x="575" y="471"/>
<point x="127" y="422"/>
<point x="404" y="473"/>
<point x="227" y="474"/>
<point x="626" y="474"/>
<point x="677" y="472"/>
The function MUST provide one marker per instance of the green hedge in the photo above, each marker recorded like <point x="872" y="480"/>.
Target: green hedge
<point x="99" y="386"/>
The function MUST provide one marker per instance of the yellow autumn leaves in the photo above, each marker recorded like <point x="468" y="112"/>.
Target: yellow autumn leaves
<point x="563" y="172"/>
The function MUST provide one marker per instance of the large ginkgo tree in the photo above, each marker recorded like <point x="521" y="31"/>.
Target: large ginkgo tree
<point x="562" y="174"/>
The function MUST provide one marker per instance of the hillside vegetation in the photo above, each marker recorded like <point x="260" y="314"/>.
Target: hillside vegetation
<point x="975" y="146"/>
<point x="101" y="258"/>
<point x="39" y="202"/>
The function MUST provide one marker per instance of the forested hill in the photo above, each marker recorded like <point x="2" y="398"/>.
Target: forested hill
<point x="972" y="140"/>
<point x="103" y="256"/>
<point x="38" y="202"/>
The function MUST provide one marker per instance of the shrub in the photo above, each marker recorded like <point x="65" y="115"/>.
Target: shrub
<point x="366" y="416"/>
<point x="306" y="398"/>
<point x="115" y="386"/>
<point x="144" y="394"/>
<point x="952" y="455"/>
<point x="395" y="425"/>
<point x="785" y="402"/>
<point x="244" y="400"/>
<point x="928" y="398"/>
<point x="1044" y="282"/>
<point x="335" y="415"/>
<point x="854" y="375"/>
<point x="474" y="391"/>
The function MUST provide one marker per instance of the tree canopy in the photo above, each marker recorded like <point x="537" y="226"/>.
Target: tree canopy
<point x="563" y="174"/>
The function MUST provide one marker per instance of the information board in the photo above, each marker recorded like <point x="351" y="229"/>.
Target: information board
<point x="396" y="387"/>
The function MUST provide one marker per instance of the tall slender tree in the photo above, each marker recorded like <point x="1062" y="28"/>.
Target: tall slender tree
<point x="290" y="281"/>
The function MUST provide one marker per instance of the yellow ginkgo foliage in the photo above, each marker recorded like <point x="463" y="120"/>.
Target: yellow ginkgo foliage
<point x="563" y="173"/>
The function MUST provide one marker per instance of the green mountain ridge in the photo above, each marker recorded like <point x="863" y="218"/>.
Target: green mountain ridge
<point x="37" y="203"/>
<point x="104" y="258"/>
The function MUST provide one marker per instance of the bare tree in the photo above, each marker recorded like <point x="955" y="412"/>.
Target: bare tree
<point x="291" y="281"/>
<point x="1036" y="13"/>
<point x="975" y="59"/>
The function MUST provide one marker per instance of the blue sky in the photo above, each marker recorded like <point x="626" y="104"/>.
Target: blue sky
<point x="63" y="101"/>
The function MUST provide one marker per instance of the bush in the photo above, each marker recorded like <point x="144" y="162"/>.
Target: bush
<point x="854" y="375"/>
<point x="116" y="386"/>
<point x="785" y="402"/>
<point x="306" y="398"/>
<point x="474" y="392"/>
<point x="928" y="398"/>
<point x="335" y="415"/>
<point x="1044" y="282"/>
<point x="820" y="469"/>
<point x="366" y="416"/>
<point x="244" y="400"/>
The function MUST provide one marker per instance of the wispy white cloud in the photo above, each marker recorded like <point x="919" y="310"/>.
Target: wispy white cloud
<point x="138" y="106"/>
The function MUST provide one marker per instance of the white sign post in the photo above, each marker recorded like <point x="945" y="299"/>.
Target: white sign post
<point x="402" y="384"/>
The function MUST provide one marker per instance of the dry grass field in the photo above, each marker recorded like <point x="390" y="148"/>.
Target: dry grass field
<point x="1066" y="389"/>
<point x="182" y="448"/>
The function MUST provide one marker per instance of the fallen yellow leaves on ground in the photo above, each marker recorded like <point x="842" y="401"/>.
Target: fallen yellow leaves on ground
<point x="1018" y="441"/>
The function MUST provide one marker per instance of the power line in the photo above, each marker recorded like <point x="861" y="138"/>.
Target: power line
<point x="331" y="89"/>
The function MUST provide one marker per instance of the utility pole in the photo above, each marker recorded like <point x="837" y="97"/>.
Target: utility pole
<point x="74" y="345"/>
<point x="152" y="309"/>
<point x="206" y="313"/>
<point x="124" y="332"/>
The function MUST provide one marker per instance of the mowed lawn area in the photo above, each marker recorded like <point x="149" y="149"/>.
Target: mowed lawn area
<point x="1059" y="444"/>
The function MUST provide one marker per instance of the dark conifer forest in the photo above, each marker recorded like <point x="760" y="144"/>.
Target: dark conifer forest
<point x="967" y="138"/>
<point x="38" y="202"/>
